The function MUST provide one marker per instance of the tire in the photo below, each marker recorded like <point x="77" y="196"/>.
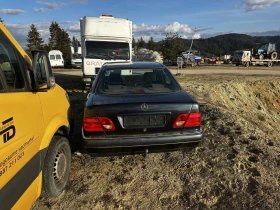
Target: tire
<point x="261" y="56"/>
<point x="274" y="56"/>
<point x="237" y="64"/>
<point x="269" y="64"/>
<point x="56" y="169"/>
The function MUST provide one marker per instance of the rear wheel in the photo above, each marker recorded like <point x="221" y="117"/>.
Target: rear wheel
<point x="56" y="168"/>
<point x="269" y="64"/>
<point x="273" y="56"/>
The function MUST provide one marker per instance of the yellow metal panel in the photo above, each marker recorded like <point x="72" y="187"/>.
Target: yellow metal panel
<point x="51" y="104"/>
<point x="29" y="197"/>
<point x="25" y="109"/>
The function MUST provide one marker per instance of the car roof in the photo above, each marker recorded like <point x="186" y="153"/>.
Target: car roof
<point x="139" y="64"/>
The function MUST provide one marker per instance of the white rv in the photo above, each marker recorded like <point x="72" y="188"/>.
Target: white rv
<point x="76" y="57"/>
<point x="56" y="58"/>
<point x="104" y="39"/>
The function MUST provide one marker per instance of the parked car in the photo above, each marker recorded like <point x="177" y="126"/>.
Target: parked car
<point x="138" y="107"/>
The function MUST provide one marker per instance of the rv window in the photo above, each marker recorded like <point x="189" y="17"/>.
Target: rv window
<point x="58" y="57"/>
<point x="52" y="57"/>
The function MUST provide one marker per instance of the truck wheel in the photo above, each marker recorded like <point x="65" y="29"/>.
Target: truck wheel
<point x="261" y="56"/>
<point x="269" y="64"/>
<point x="273" y="56"/>
<point x="56" y="168"/>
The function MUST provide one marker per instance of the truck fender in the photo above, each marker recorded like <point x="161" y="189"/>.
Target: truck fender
<point x="52" y="128"/>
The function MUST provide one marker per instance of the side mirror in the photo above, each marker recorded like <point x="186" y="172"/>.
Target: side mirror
<point x="42" y="70"/>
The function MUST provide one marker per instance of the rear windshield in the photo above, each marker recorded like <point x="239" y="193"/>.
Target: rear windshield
<point x="136" y="81"/>
<point x="58" y="57"/>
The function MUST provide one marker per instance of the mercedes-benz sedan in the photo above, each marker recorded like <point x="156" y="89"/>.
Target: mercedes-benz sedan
<point x="138" y="107"/>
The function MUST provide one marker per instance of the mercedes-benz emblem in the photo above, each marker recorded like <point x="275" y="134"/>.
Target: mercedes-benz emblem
<point x="144" y="107"/>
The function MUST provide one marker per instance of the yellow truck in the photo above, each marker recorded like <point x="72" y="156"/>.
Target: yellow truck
<point x="35" y="127"/>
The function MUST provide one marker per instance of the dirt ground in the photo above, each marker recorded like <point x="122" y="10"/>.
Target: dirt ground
<point x="237" y="166"/>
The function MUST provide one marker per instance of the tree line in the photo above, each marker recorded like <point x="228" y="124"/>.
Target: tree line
<point x="170" y="46"/>
<point x="212" y="47"/>
<point x="58" y="40"/>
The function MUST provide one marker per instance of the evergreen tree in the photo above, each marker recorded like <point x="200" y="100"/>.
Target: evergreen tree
<point x="141" y="43"/>
<point x="151" y="45"/>
<point x="34" y="39"/>
<point x="171" y="45"/>
<point x="75" y="41"/>
<point x="59" y="40"/>
<point x="46" y="47"/>
<point x="134" y="44"/>
<point x="54" y="30"/>
<point x="64" y="43"/>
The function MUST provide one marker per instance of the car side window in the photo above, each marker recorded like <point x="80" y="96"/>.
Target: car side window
<point x="10" y="65"/>
<point x="41" y="71"/>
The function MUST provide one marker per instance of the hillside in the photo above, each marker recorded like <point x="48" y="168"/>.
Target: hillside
<point x="228" y="43"/>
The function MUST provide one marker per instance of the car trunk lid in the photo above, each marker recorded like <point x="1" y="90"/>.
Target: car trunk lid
<point x="143" y="115"/>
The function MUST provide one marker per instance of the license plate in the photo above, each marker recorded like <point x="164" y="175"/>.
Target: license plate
<point x="149" y="120"/>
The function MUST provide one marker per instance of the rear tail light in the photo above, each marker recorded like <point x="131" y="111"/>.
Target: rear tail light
<point x="188" y="120"/>
<point x="97" y="124"/>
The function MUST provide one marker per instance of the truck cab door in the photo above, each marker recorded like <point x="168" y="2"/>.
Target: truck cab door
<point x="21" y="130"/>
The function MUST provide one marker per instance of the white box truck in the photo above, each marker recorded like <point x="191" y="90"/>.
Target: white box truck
<point x="104" y="39"/>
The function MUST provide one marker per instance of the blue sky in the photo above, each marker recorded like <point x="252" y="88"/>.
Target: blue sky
<point x="150" y="18"/>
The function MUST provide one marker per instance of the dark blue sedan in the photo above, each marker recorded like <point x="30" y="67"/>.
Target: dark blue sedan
<point x="136" y="107"/>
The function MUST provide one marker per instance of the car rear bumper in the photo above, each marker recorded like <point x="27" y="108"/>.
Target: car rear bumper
<point x="142" y="141"/>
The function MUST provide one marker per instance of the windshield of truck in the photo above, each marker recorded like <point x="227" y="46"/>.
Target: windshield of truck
<point x="76" y="55"/>
<point x="136" y="81"/>
<point x="107" y="50"/>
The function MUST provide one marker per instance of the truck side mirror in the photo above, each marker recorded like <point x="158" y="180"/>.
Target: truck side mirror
<point x="42" y="70"/>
